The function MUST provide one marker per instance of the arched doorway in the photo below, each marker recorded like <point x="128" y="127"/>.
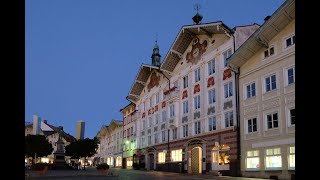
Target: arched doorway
<point x="151" y="161"/>
<point x="195" y="156"/>
<point x="220" y="157"/>
<point x="196" y="163"/>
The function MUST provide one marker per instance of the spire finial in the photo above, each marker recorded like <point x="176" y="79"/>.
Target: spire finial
<point x="197" y="7"/>
<point x="198" y="17"/>
<point x="156" y="38"/>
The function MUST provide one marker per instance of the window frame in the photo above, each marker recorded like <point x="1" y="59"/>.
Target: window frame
<point x="197" y="127"/>
<point x="185" y="130"/>
<point x="197" y="102"/>
<point x="175" y="157"/>
<point x="213" y="96"/>
<point x="255" y="155"/>
<point x="272" y="120"/>
<point x="270" y="83"/>
<point x="185" y="107"/>
<point x="228" y="119"/>
<point x="161" y="157"/>
<point x="250" y="90"/>
<point x="273" y="155"/>
<point x="229" y="86"/>
<point x="211" y="66"/>
<point x="247" y="125"/>
<point x="226" y="57"/>
<point x="197" y="75"/>
<point x="212" y="119"/>
<point x="185" y="80"/>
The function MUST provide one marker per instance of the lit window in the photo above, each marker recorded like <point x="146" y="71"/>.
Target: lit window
<point x="176" y="155"/>
<point x="271" y="82"/>
<point x="251" y="90"/>
<point x="252" y="160"/>
<point x="272" y="121"/>
<point x="273" y="158"/>
<point x="292" y="162"/>
<point x="224" y="156"/>
<point x="162" y="157"/>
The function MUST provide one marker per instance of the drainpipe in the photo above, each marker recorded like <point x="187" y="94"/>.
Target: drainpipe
<point x="168" y="127"/>
<point x="237" y="110"/>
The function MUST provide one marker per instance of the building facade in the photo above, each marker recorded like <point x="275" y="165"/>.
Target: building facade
<point x="110" y="148"/>
<point x="80" y="129"/>
<point x="186" y="116"/>
<point x="266" y="68"/>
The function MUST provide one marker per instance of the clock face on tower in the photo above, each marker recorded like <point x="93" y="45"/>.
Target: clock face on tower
<point x="196" y="52"/>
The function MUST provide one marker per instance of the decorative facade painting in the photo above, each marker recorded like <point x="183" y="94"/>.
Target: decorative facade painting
<point x="197" y="50"/>
<point x="184" y="94"/>
<point x="196" y="89"/>
<point x="226" y="73"/>
<point x="210" y="81"/>
<point x="154" y="81"/>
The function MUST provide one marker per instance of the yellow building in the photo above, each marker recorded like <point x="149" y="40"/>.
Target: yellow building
<point x="266" y="69"/>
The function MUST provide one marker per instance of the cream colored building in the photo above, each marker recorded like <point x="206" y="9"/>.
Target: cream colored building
<point x="266" y="67"/>
<point x="110" y="149"/>
<point x="184" y="108"/>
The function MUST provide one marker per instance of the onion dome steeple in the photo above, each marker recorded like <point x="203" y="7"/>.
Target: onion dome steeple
<point x="156" y="55"/>
<point x="198" y="17"/>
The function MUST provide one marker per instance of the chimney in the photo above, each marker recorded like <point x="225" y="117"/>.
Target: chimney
<point x="45" y="121"/>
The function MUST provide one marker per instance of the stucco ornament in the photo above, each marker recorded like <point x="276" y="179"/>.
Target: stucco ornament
<point x="154" y="81"/>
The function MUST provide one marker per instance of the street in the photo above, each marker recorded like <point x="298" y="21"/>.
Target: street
<point x="123" y="174"/>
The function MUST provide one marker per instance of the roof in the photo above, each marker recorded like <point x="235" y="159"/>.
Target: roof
<point x="140" y="81"/>
<point x="131" y="103"/>
<point x="185" y="37"/>
<point x="261" y="37"/>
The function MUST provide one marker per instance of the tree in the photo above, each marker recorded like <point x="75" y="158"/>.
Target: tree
<point x="37" y="145"/>
<point x="82" y="148"/>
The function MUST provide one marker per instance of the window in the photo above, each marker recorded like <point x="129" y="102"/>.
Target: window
<point x="197" y="75"/>
<point x="253" y="160"/>
<point x="293" y="116"/>
<point x="197" y="102"/>
<point x="251" y="90"/>
<point x="269" y="52"/>
<point x="228" y="119"/>
<point x="176" y="155"/>
<point x="164" y="115"/>
<point x="290" y="41"/>
<point x="185" y="130"/>
<point x="157" y="98"/>
<point x="228" y="90"/>
<point x="163" y="135"/>
<point x="291" y="75"/>
<point x="144" y="106"/>
<point x="212" y="123"/>
<point x="252" y="125"/>
<point x="185" y="82"/>
<point x="226" y="55"/>
<point x="211" y="67"/>
<point x="171" y="111"/>
<point x="162" y="157"/>
<point x="292" y="162"/>
<point x="164" y="96"/>
<point x="143" y="141"/>
<point x="197" y="127"/>
<point x="211" y="96"/>
<point x="174" y="133"/>
<point x="150" y="121"/>
<point x="149" y="140"/>
<point x="144" y="124"/>
<point x="185" y="107"/>
<point x="271" y="83"/>
<point x="224" y="156"/>
<point x="272" y="120"/>
<point x="156" y="138"/>
<point x="157" y="118"/>
<point x="273" y="158"/>
<point x="151" y="102"/>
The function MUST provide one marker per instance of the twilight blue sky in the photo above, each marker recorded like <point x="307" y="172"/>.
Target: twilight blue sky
<point x="82" y="56"/>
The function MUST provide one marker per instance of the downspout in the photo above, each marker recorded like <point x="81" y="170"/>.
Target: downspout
<point x="237" y="110"/>
<point x="168" y="127"/>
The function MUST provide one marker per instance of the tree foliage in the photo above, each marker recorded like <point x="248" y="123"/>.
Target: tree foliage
<point x="37" y="144"/>
<point x="82" y="148"/>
